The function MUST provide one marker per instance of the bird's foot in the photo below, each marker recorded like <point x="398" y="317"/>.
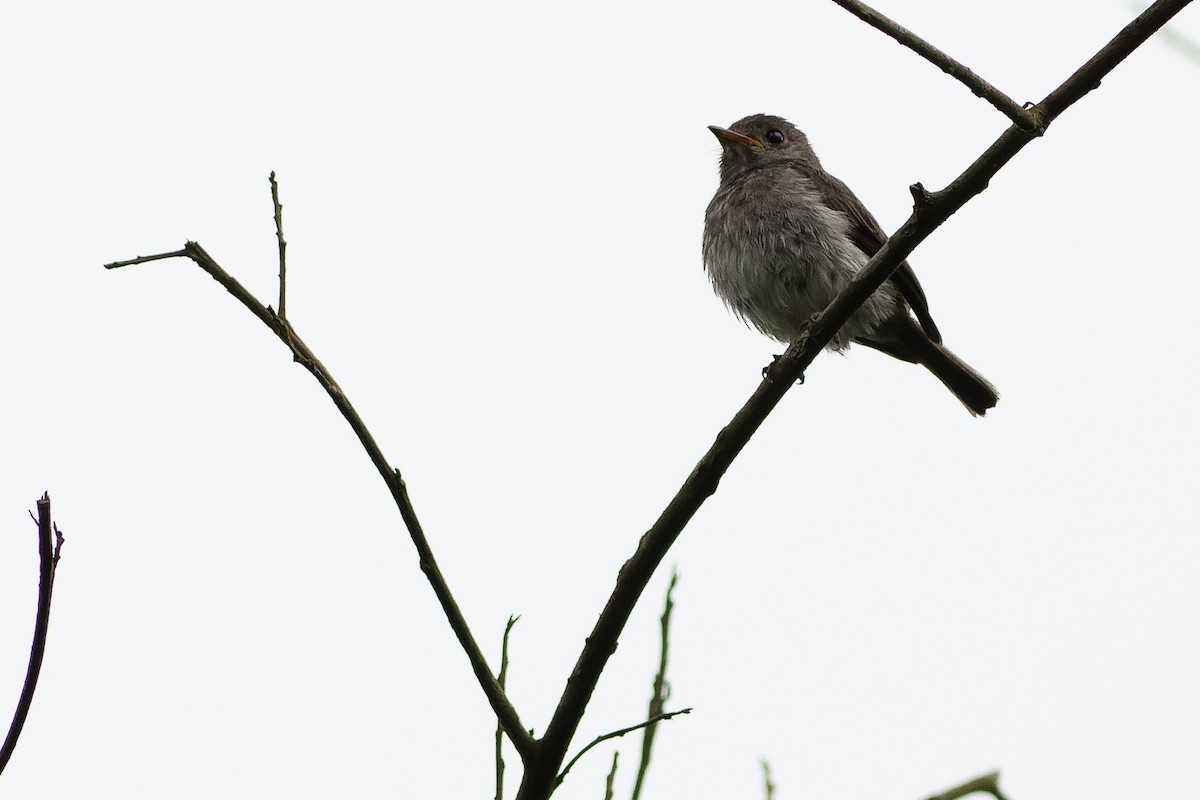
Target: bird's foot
<point x="766" y="371"/>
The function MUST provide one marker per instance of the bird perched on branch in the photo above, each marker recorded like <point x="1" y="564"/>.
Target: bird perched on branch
<point x="782" y="237"/>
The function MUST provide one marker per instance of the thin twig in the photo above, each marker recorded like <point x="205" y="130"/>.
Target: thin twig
<point x="145" y="259"/>
<point x="612" y="776"/>
<point x="931" y="211"/>
<point x="522" y="741"/>
<point x="768" y="784"/>
<point x="614" y="734"/>
<point x="661" y="691"/>
<point x="978" y="86"/>
<point x="989" y="783"/>
<point x="48" y="555"/>
<point x="503" y="681"/>
<point x="282" y="247"/>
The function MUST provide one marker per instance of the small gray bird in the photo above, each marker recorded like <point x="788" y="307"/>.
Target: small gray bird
<point x="782" y="237"/>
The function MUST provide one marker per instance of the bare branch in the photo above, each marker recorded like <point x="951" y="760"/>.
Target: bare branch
<point x="145" y="259"/>
<point x="931" y="209"/>
<point x="768" y="784"/>
<point x="48" y="555"/>
<point x="502" y="680"/>
<point x="507" y="715"/>
<point x="658" y="697"/>
<point x="613" y="735"/>
<point x="612" y="776"/>
<point x="978" y="86"/>
<point x="783" y="374"/>
<point x="989" y="783"/>
<point x="282" y="247"/>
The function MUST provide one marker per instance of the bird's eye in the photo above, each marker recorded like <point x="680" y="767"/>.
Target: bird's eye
<point x="775" y="137"/>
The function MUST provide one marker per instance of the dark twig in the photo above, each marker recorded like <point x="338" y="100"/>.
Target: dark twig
<point x="931" y="211"/>
<point x="613" y="735"/>
<point x="978" y="86"/>
<point x="282" y="247"/>
<point x="144" y="259"/>
<point x="612" y="776"/>
<point x="661" y="691"/>
<point x="520" y="737"/>
<point x="768" y="784"/>
<point x="989" y="783"/>
<point x="503" y="681"/>
<point x="48" y="555"/>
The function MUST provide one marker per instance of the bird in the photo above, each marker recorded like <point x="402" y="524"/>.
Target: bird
<point x="782" y="237"/>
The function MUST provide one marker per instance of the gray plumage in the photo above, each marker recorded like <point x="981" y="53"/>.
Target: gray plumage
<point x="782" y="237"/>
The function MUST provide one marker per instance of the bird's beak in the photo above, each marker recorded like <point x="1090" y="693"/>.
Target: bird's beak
<point x="732" y="137"/>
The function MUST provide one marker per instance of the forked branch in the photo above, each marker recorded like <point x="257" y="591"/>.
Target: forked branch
<point x="931" y="210"/>
<point x="505" y="713"/>
<point x="543" y="757"/>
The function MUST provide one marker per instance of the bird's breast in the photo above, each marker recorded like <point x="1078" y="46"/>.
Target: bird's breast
<point x="775" y="253"/>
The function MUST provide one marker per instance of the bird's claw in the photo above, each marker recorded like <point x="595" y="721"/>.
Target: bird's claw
<point x="766" y="371"/>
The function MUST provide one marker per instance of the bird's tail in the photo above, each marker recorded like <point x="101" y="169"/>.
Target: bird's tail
<point x="968" y="385"/>
<point x="908" y="342"/>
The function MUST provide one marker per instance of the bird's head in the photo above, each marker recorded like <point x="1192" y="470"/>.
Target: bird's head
<point x="760" y="140"/>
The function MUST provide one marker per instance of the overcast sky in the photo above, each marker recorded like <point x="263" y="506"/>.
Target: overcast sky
<point x="494" y="215"/>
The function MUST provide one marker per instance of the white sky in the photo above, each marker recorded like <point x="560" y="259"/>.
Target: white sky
<point x="494" y="215"/>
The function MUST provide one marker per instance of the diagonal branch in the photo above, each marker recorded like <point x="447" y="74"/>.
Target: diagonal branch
<point x="507" y="715"/>
<point x="963" y="74"/>
<point x="657" y="718"/>
<point x="48" y="562"/>
<point x="930" y="211"/>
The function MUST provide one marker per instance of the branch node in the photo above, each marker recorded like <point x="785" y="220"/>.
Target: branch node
<point x="922" y="197"/>
<point x="1038" y="119"/>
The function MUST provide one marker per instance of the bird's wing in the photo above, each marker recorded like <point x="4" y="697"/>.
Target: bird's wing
<point x="869" y="237"/>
